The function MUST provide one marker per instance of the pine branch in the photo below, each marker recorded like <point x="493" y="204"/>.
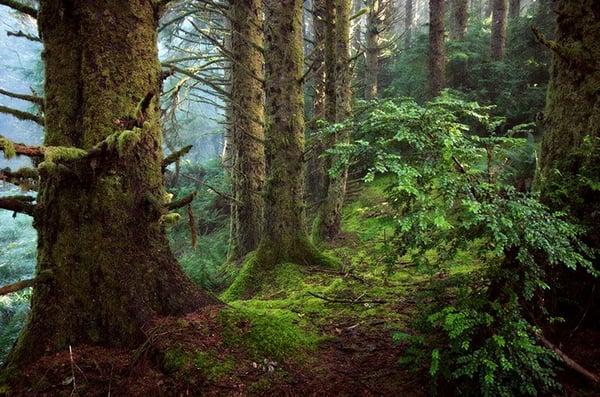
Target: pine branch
<point x="18" y="204"/>
<point x="15" y="5"/>
<point x="24" y="35"/>
<point x="30" y="98"/>
<point x="174" y="205"/>
<point x="20" y="285"/>
<point x="22" y="115"/>
<point x="175" y="156"/>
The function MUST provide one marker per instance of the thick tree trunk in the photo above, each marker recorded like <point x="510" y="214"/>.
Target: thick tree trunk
<point x="460" y="17"/>
<point x="437" y="53"/>
<point x="99" y="216"/>
<point x="331" y="214"/>
<point x="499" y="20"/>
<point x="284" y="238"/>
<point x="570" y="155"/>
<point x="514" y="9"/>
<point x="247" y="125"/>
<point x="373" y="50"/>
<point x="408" y="22"/>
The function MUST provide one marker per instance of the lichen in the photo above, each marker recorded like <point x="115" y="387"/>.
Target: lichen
<point x="7" y="147"/>
<point x="170" y="219"/>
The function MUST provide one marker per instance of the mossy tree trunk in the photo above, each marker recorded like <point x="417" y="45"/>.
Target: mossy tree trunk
<point x="284" y="238"/>
<point x="99" y="215"/>
<point x="247" y="125"/>
<point x="460" y="17"/>
<point x="330" y="219"/>
<point x="570" y="154"/>
<point x="437" y="53"/>
<point x="373" y="50"/>
<point x="499" y="21"/>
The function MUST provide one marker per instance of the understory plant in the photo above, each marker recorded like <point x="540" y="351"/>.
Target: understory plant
<point x="455" y="189"/>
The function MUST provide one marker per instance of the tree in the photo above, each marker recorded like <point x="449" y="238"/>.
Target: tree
<point x="498" y="43"/>
<point x="247" y="125"/>
<point x="570" y="154"/>
<point x="373" y="50"/>
<point x="514" y="9"/>
<point x="330" y="219"/>
<point x="437" y="53"/>
<point x="460" y="17"/>
<point x="101" y="207"/>
<point x="408" y="22"/>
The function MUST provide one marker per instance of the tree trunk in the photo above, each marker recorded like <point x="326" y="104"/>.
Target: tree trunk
<point x="408" y="22"/>
<point x="331" y="214"/>
<point x="570" y="154"/>
<point x="437" y="53"/>
<point x="247" y="124"/>
<point x="514" y="9"/>
<point x="99" y="215"/>
<point x="284" y="238"/>
<point x="460" y="17"/>
<point x="373" y="50"/>
<point x="498" y="44"/>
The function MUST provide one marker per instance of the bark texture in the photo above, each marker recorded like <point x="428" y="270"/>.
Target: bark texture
<point x="408" y="22"/>
<point x="284" y="238"/>
<point x="247" y="125"/>
<point x="460" y="17"/>
<point x="514" y="9"/>
<point x="99" y="217"/>
<point x="330" y="220"/>
<point x="499" y="21"/>
<point x="437" y="53"/>
<point x="373" y="49"/>
<point x="570" y="154"/>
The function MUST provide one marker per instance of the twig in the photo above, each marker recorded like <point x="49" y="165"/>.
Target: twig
<point x="348" y="301"/>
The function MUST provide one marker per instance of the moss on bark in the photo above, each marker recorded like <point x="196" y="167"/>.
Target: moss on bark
<point x="104" y="244"/>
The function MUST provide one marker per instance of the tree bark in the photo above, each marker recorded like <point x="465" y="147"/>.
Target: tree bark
<point x="408" y="22"/>
<point x="460" y="17"/>
<point x="373" y="50"/>
<point x="99" y="227"/>
<point x="498" y="43"/>
<point x="247" y="125"/>
<point x="331" y="215"/>
<point x="514" y="9"/>
<point x="437" y="53"/>
<point x="570" y="154"/>
<point x="284" y="238"/>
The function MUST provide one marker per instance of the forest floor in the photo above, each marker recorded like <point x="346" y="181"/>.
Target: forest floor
<point x="312" y="332"/>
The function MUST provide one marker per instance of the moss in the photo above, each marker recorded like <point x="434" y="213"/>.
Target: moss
<point x="175" y="360"/>
<point x="170" y="219"/>
<point x="123" y="140"/>
<point x="7" y="147"/>
<point x="212" y="367"/>
<point x="272" y="334"/>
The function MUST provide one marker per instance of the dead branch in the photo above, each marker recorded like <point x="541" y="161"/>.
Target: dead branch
<point x="175" y="156"/>
<point x="21" y="115"/>
<point x="15" y="5"/>
<point x="348" y="301"/>
<point x="569" y="362"/>
<point x="18" y="204"/>
<point x="21" y="285"/>
<point x="24" y="35"/>
<point x="182" y="202"/>
<point x="30" y="98"/>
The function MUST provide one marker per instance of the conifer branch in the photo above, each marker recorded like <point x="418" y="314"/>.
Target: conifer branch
<point x="21" y="285"/>
<point x="15" y="5"/>
<point x="24" y="35"/>
<point x="22" y="115"/>
<point x="174" y="205"/>
<point x="24" y="97"/>
<point x="18" y="204"/>
<point x="175" y="156"/>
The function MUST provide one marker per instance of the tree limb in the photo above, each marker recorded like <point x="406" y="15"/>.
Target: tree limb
<point x="569" y="362"/>
<point x="24" y="35"/>
<point x="20" y="285"/>
<point x="175" y="156"/>
<point x="22" y="115"/>
<point x="10" y="148"/>
<point x="182" y="202"/>
<point x="15" y="5"/>
<point x="20" y="204"/>
<point x="31" y="98"/>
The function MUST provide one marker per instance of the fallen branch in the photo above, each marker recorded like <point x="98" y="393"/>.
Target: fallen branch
<point x="22" y="115"/>
<point x="348" y="301"/>
<point x="175" y="156"/>
<point x="18" y="204"/>
<point x="15" y="5"/>
<point x="30" y="98"/>
<point x="21" y="285"/>
<point x="24" y="35"/>
<point x="174" y="205"/>
<point x="569" y="362"/>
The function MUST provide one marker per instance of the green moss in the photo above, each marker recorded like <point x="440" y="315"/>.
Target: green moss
<point x="270" y="334"/>
<point x="122" y="140"/>
<point x="175" y="360"/>
<point x="7" y="147"/>
<point x="212" y="367"/>
<point x="170" y="219"/>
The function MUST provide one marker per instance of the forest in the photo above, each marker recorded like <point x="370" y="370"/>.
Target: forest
<point x="300" y="198"/>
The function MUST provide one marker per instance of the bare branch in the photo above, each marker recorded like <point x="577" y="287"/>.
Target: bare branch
<point x="21" y="177"/>
<point x="30" y="98"/>
<point x="174" y="205"/>
<point x="10" y="149"/>
<point x="15" y="5"/>
<point x="175" y="156"/>
<point x="20" y="204"/>
<point x="24" y="35"/>
<point x="22" y="115"/>
<point x="21" y="285"/>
